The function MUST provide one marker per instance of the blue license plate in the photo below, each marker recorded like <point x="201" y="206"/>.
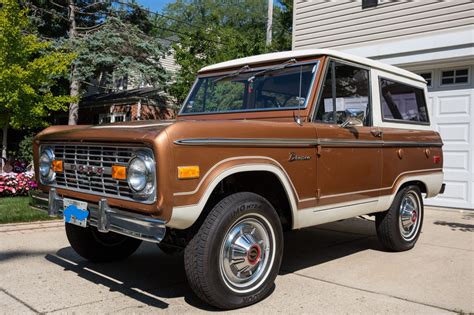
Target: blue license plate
<point x="75" y="212"/>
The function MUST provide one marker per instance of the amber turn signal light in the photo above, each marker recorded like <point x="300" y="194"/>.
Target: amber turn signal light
<point x="119" y="172"/>
<point x="187" y="172"/>
<point x="57" y="165"/>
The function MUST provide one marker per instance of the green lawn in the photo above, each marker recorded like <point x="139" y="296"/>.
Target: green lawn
<point x="16" y="209"/>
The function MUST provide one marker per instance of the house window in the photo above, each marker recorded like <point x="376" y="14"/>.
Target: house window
<point x="369" y="4"/>
<point x="402" y="103"/>
<point x="458" y="76"/>
<point x="120" y="118"/>
<point x="428" y="76"/>
<point x="111" y="118"/>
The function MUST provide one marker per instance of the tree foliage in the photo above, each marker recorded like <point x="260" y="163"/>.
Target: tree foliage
<point x="29" y="69"/>
<point x="51" y="17"/>
<point x="118" y="42"/>
<point x="212" y="31"/>
<point x="116" y="53"/>
<point x="113" y="43"/>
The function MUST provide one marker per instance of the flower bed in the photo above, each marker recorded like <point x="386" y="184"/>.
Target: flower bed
<point x="13" y="184"/>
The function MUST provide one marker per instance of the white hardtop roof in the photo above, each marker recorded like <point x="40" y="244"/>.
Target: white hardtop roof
<point x="285" y="55"/>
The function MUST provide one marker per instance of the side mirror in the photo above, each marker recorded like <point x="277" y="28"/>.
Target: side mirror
<point x="355" y="117"/>
<point x="351" y="122"/>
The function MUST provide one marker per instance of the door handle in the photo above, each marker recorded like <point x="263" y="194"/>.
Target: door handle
<point x="376" y="133"/>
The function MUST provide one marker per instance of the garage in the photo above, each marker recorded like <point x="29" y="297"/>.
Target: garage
<point x="451" y="100"/>
<point x="432" y="38"/>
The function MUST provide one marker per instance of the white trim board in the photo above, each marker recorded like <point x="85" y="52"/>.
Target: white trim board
<point x="441" y="45"/>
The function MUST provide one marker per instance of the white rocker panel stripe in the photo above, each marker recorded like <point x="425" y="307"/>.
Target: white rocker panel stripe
<point x="183" y="217"/>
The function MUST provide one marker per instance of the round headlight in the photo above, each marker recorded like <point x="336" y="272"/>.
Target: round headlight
<point x="138" y="174"/>
<point x="45" y="164"/>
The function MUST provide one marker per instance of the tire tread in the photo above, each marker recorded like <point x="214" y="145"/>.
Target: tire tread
<point x="387" y="223"/>
<point x="197" y="253"/>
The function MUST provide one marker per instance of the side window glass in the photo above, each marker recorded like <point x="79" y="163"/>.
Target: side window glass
<point x="347" y="97"/>
<point x="401" y="102"/>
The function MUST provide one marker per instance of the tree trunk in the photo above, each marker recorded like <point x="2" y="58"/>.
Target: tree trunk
<point x="74" y="92"/>
<point x="4" y="145"/>
<point x="74" y="86"/>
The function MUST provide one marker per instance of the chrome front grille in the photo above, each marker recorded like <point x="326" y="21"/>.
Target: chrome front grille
<point x="88" y="168"/>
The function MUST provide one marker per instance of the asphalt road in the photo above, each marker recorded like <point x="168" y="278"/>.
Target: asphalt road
<point x="334" y="268"/>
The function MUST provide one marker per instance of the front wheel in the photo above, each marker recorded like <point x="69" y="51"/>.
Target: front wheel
<point x="399" y="227"/>
<point x="235" y="256"/>
<point x="100" y="247"/>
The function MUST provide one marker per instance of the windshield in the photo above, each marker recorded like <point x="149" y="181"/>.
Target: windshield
<point x="284" y="87"/>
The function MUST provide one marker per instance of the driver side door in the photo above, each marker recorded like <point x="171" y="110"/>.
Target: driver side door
<point x="349" y="163"/>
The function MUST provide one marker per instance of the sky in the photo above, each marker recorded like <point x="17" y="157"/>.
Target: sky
<point x="154" y="5"/>
<point x="159" y="5"/>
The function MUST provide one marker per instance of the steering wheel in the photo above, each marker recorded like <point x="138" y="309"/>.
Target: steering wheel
<point x="289" y="97"/>
<point x="270" y="100"/>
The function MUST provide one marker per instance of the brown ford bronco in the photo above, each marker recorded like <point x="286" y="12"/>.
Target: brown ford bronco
<point x="261" y="144"/>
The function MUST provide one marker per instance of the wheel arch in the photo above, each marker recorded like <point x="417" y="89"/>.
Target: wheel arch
<point x="429" y="184"/>
<point x="184" y="217"/>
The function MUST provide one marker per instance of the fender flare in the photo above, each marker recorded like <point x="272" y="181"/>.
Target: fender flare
<point x="432" y="182"/>
<point x="183" y="217"/>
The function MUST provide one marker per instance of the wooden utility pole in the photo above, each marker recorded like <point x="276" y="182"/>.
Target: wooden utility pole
<point x="74" y="85"/>
<point x="269" y="23"/>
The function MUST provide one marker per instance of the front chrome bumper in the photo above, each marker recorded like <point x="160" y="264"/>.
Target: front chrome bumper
<point x="106" y="219"/>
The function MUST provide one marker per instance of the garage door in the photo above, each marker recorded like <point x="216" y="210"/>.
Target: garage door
<point x="452" y="114"/>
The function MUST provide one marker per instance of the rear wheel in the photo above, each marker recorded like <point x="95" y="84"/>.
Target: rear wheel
<point x="399" y="227"/>
<point x="100" y="247"/>
<point x="235" y="257"/>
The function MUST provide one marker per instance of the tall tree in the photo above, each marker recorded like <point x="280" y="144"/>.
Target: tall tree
<point x="70" y="17"/>
<point x="111" y="42"/>
<point x="74" y="86"/>
<point x="283" y="26"/>
<point x="29" y="68"/>
<point x="212" y="31"/>
<point x="117" y="54"/>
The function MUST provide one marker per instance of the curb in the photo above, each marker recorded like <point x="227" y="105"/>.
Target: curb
<point x="25" y="226"/>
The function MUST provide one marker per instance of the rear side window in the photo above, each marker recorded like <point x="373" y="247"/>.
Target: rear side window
<point x="402" y="103"/>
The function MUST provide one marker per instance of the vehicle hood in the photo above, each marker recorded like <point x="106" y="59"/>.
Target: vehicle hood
<point x="136" y="131"/>
<point x="148" y="131"/>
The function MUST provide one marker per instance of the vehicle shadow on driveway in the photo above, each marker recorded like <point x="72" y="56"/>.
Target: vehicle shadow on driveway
<point x="148" y="276"/>
<point x="151" y="277"/>
<point x="320" y="244"/>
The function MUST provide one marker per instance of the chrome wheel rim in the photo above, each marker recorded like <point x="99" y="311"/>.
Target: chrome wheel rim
<point x="247" y="253"/>
<point x="410" y="216"/>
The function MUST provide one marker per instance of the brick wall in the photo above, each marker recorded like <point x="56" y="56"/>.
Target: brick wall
<point x="90" y="115"/>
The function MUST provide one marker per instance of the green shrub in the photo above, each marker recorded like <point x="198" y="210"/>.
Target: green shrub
<point x="25" y="149"/>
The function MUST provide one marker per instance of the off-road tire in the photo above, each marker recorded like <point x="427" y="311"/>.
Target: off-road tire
<point x="388" y="223"/>
<point x="203" y="259"/>
<point x="100" y="247"/>
<point x="171" y="250"/>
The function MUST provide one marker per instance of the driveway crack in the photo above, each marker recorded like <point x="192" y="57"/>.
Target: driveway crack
<point x="31" y="308"/>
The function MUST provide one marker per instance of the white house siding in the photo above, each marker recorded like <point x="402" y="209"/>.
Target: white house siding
<point x="169" y="63"/>
<point x="420" y="36"/>
<point x="333" y="24"/>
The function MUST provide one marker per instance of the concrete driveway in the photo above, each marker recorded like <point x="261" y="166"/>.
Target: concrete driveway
<point x="333" y="268"/>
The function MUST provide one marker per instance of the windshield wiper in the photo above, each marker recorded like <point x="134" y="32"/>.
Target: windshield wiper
<point x="233" y="74"/>
<point x="276" y="68"/>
